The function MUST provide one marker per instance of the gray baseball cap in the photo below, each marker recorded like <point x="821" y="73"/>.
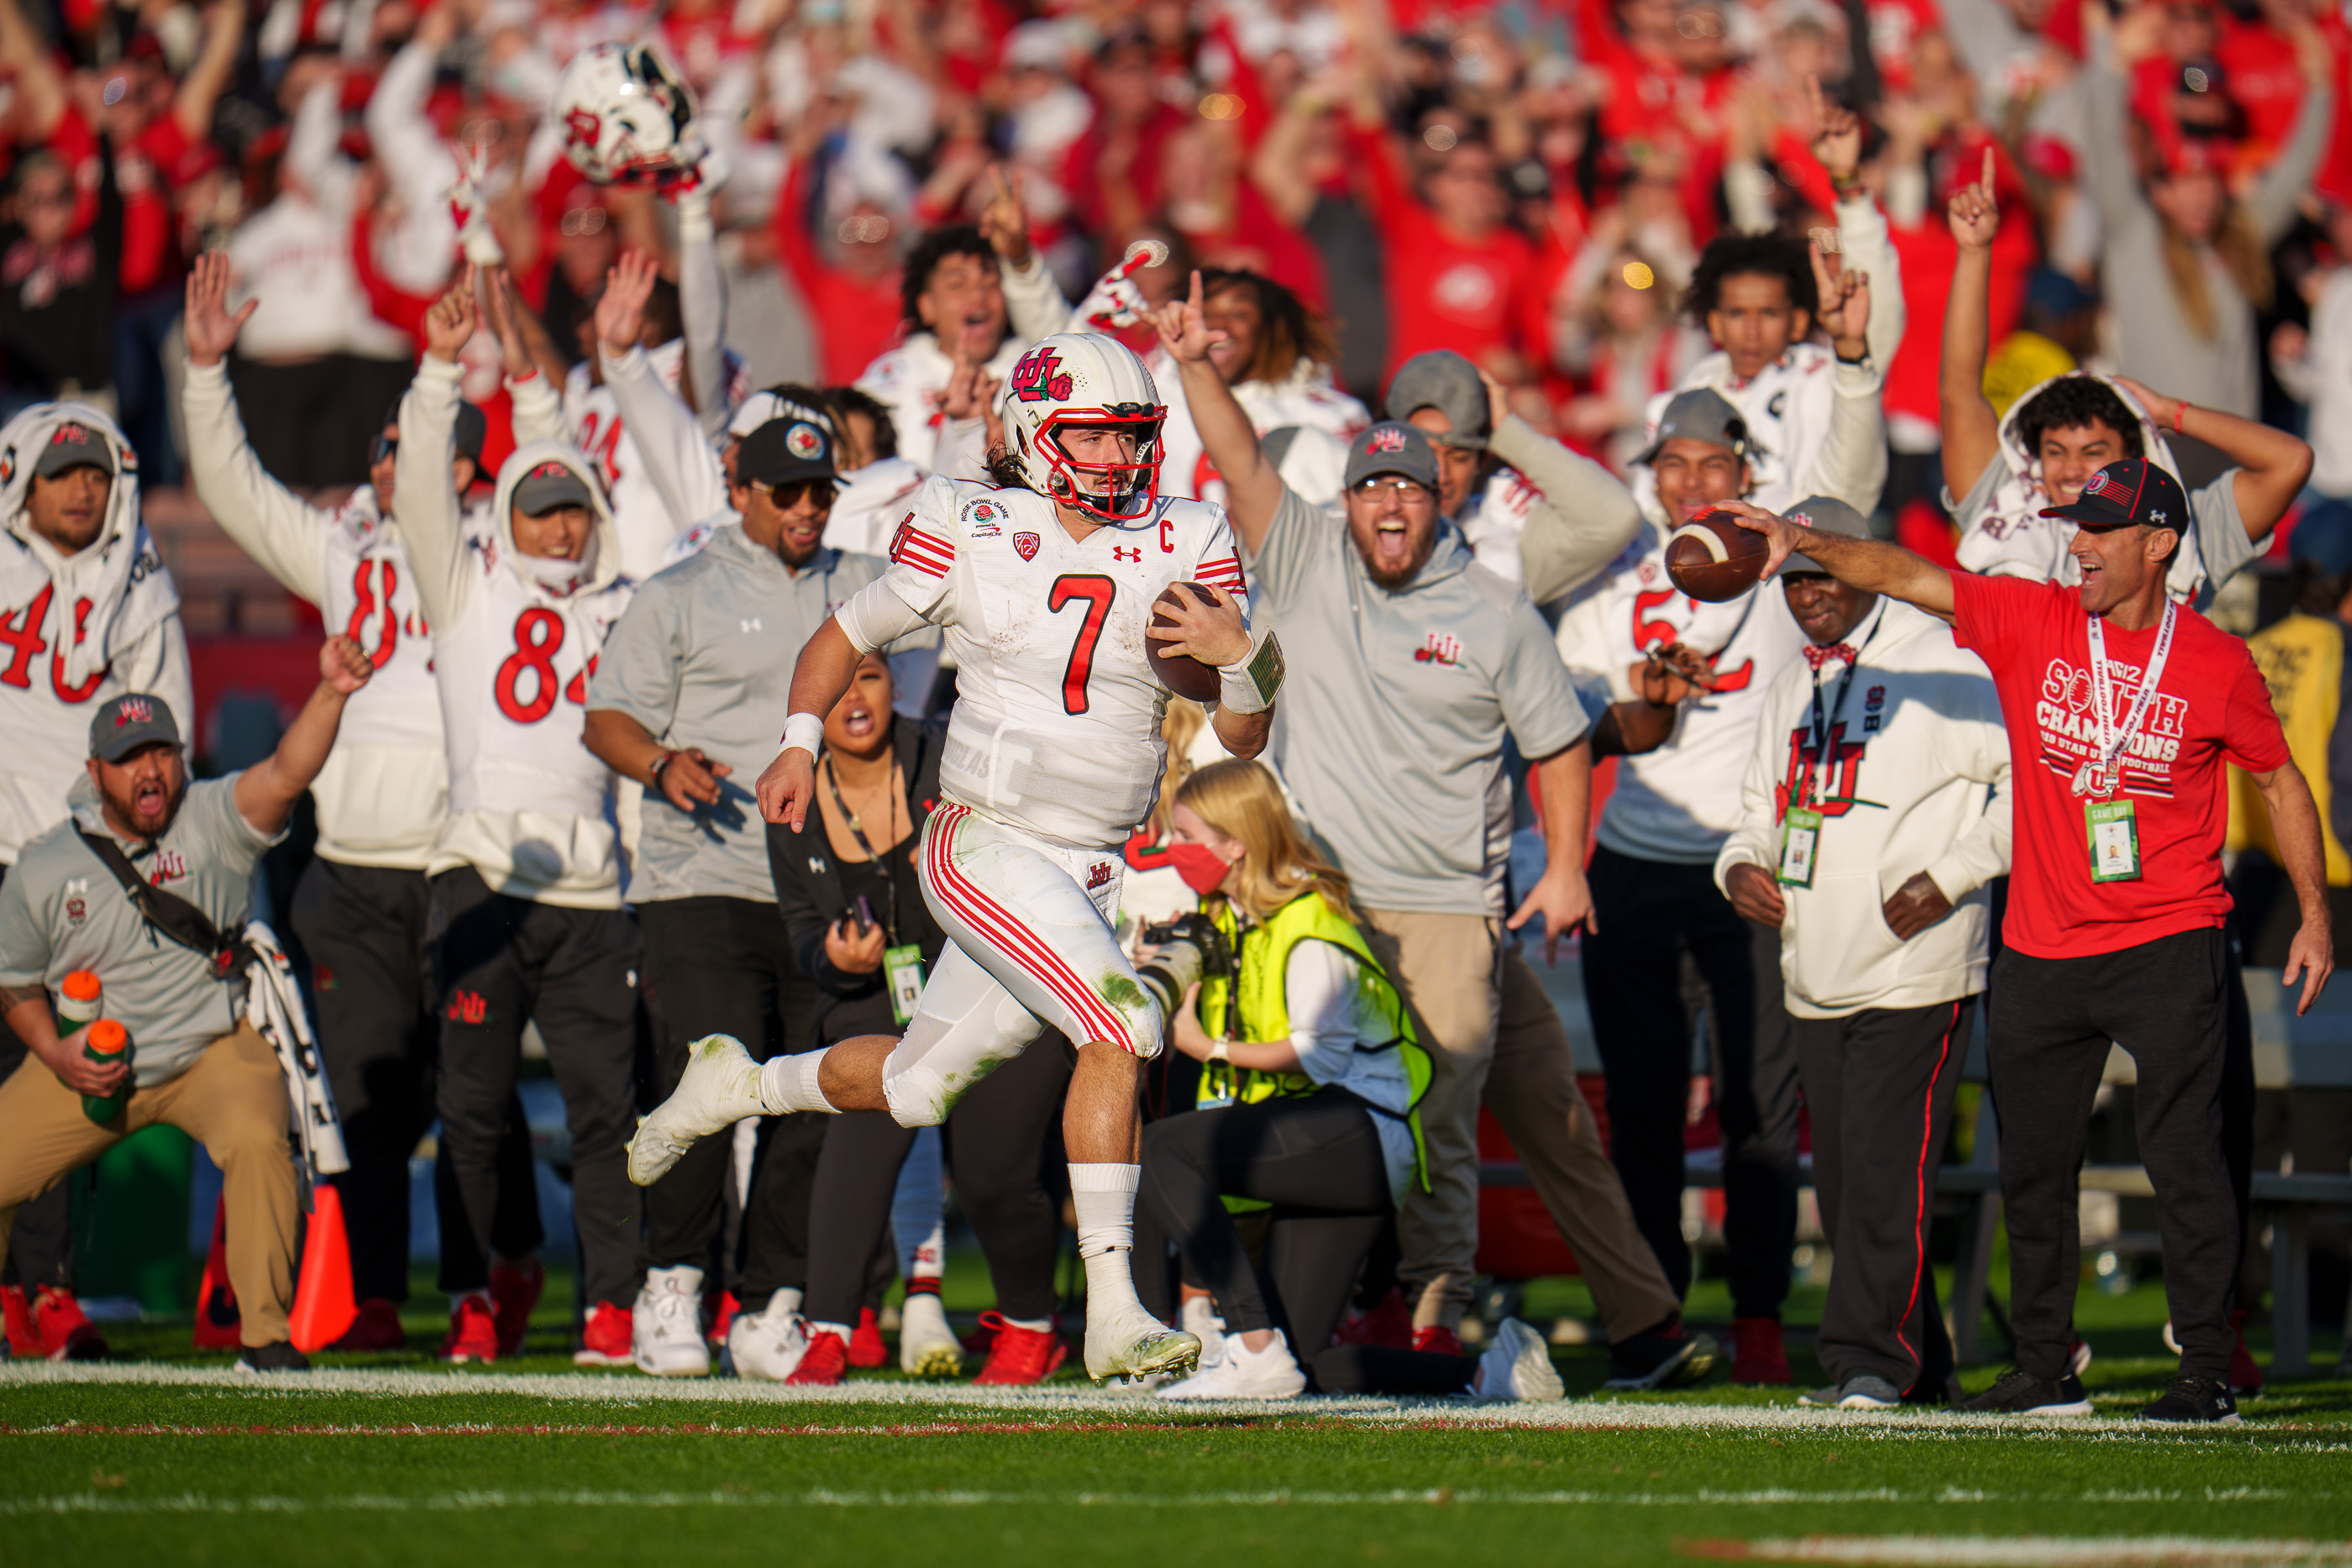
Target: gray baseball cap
<point x="122" y="727"/>
<point x="548" y="486"/>
<point x="1444" y="381"/>
<point x="74" y="445"/>
<point x="1699" y="415"/>
<point x="1828" y="515"/>
<point x="1389" y="447"/>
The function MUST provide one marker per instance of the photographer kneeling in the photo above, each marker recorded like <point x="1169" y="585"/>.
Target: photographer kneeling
<point x="1313" y="1072"/>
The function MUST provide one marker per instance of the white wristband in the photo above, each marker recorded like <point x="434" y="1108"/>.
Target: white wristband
<point x="1247" y="685"/>
<point x="805" y="730"/>
<point x="1221" y="1049"/>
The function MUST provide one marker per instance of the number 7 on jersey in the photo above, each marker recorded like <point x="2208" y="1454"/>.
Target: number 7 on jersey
<point x="1098" y="592"/>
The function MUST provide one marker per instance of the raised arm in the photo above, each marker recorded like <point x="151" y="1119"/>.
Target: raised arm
<point x="1583" y="515"/>
<point x="2277" y="199"/>
<point x="685" y="472"/>
<point x="270" y="522"/>
<point x="431" y="516"/>
<point x="2272" y="465"/>
<point x="532" y="365"/>
<point x="1252" y="488"/>
<point x="1852" y="464"/>
<point x="1862" y="227"/>
<point x="1970" y="428"/>
<point x="200" y="90"/>
<point x="266" y="792"/>
<point x="702" y="308"/>
<point x="1034" y="306"/>
<point x="39" y="85"/>
<point x="1872" y="565"/>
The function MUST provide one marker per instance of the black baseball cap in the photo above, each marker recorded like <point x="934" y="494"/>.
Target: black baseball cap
<point x="135" y="719"/>
<point x="1702" y="414"/>
<point x="2128" y="490"/>
<point x="473" y="429"/>
<point x="785" y="452"/>
<point x="74" y="445"/>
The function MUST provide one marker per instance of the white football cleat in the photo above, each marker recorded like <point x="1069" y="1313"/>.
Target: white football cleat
<point x="720" y="1087"/>
<point x="1518" y="1365"/>
<point x="666" y="1329"/>
<point x="767" y="1346"/>
<point x="1244" y="1374"/>
<point x="1198" y="1317"/>
<point x="927" y="1346"/>
<point x="1134" y="1344"/>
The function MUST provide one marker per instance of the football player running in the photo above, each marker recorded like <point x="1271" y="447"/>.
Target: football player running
<point x="1045" y="586"/>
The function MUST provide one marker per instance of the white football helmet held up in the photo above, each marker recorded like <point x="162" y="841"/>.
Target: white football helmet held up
<point x="1075" y="380"/>
<point x="625" y="116"/>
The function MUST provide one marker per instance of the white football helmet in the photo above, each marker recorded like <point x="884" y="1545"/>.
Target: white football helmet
<point x="624" y="115"/>
<point x="1084" y="381"/>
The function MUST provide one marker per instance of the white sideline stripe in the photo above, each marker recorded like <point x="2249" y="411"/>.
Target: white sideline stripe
<point x="2094" y="1551"/>
<point x="1855" y="1550"/>
<point x="626" y="1391"/>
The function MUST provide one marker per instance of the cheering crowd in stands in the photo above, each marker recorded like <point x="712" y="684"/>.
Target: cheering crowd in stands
<point x="1459" y="314"/>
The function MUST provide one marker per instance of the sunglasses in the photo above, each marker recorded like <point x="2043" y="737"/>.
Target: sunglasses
<point x="789" y="495"/>
<point x="382" y="448"/>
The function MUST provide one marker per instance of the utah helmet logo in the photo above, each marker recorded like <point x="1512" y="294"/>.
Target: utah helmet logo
<point x="1026" y="545"/>
<point x="582" y="127"/>
<point x="1038" y="375"/>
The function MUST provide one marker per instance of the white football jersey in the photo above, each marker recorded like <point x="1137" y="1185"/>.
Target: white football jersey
<point x="1679" y="802"/>
<point x="650" y="538"/>
<point x="1497" y="520"/>
<point x="872" y="500"/>
<point x="1056" y="725"/>
<point x="1313" y="461"/>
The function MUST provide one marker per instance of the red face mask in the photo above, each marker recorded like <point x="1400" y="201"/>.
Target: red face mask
<point x="1201" y="867"/>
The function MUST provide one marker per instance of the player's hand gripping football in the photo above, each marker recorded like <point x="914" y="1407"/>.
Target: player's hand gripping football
<point x="1212" y="633"/>
<point x="344" y="664"/>
<point x="1784" y="535"/>
<point x="786" y="786"/>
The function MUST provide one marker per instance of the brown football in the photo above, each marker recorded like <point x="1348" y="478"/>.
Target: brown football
<point x="1181" y="673"/>
<point x="1713" y="558"/>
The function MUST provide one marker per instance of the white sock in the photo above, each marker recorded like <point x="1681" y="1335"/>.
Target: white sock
<point x="1103" y="1197"/>
<point x="815" y="1329"/>
<point x="1034" y="1325"/>
<point x="788" y="1083"/>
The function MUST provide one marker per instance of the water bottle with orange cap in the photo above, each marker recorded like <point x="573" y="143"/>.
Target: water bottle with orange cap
<point x="79" y="1000"/>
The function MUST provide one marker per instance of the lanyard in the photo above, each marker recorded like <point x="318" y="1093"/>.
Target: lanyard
<point x="1825" y="722"/>
<point x="2103" y="774"/>
<point x="857" y="832"/>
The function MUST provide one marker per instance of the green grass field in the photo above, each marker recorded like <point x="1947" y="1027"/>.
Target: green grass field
<point x="166" y="1456"/>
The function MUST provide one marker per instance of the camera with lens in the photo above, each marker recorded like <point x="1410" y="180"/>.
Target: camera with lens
<point x="1180" y="953"/>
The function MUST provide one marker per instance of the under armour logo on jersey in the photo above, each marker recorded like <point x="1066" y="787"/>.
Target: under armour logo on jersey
<point x="816" y="865"/>
<point x="1126" y="552"/>
<point x="1026" y="545"/>
<point x="1097" y="875"/>
<point x="751" y="625"/>
<point x="1038" y="375"/>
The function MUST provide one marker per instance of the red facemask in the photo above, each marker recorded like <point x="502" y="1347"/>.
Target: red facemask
<point x="1201" y="867"/>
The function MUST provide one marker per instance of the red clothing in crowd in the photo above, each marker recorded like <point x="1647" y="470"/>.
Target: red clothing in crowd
<point x="854" y="320"/>
<point x="2261" y="73"/>
<point x="1446" y="291"/>
<point x="2211" y="706"/>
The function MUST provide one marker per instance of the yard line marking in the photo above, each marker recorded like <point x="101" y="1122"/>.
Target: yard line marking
<point x="2032" y="1551"/>
<point x="1083" y="1402"/>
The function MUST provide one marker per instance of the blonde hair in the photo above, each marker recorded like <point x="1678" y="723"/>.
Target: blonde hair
<point x="2240" y="247"/>
<point x="1242" y="801"/>
<point x="1179" y="726"/>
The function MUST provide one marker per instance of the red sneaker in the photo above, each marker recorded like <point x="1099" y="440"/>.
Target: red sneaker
<point x="1758" y="1355"/>
<point x="66" y="1333"/>
<point x="1438" y="1340"/>
<point x="514" y="1293"/>
<point x="473" y="1331"/>
<point x="825" y="1361"/>
<point x="867" y="1350"/>
<point x="376" y="1328"/>
<point x="1020" y="1355"/>
<point x="604" y="1339"/>
<point x="723" y="1317"/>
<point x="1389" y="1323"/>
<point x="24" y="1339"/>
<point x="2245" y="1373"/>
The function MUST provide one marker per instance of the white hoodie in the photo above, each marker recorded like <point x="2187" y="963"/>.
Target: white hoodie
<point x="903" y="380"/>
<point x="75" y="630"/>
<point x="1919" y="781"/>
<point x="530" y="805"/>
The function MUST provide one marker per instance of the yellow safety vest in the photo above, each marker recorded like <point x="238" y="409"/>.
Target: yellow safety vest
<point x="1261" y="957"/>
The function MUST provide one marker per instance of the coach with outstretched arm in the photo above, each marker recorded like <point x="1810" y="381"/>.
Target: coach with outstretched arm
<point x="2121" y="708"/>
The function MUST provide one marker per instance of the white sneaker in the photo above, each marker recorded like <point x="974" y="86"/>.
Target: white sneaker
<point x="1245" y="1374"/>
<point x="927" y="1346"/>
<point x="1198" y="1317"/>
<point x="1517" y="1365"/>
<point x="665" y="1327"/>
<point x="767" y="1346"/>
<point x="720" y="1087"/>
<point x="1134" y="1344"/>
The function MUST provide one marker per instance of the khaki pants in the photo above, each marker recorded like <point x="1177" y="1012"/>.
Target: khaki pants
<point x="233" y="1100"/>
<point x="1495" y="1037"/>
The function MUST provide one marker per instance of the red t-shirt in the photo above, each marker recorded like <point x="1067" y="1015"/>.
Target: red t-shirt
<point x="2210" y="706"/>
